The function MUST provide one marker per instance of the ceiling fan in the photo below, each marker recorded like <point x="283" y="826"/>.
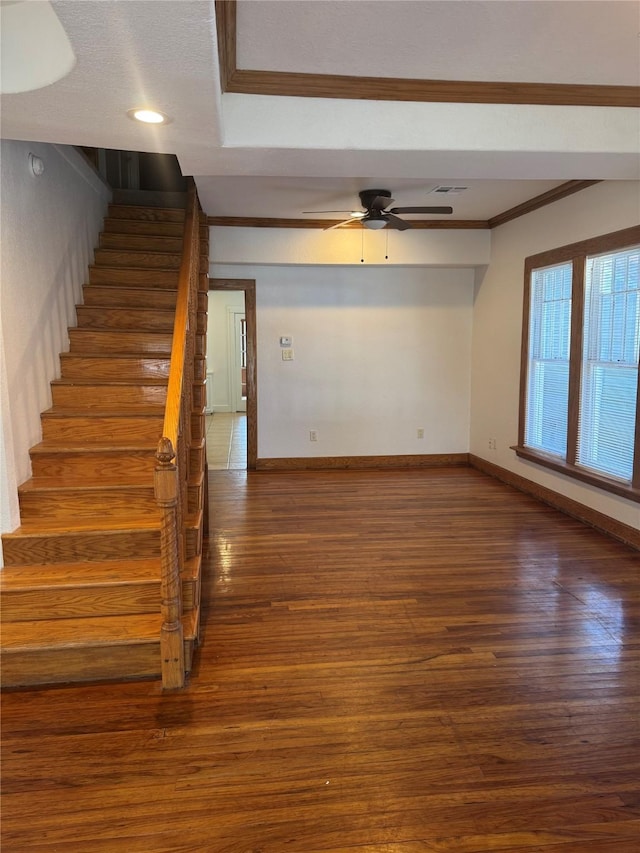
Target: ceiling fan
<point x="378" y="213"/>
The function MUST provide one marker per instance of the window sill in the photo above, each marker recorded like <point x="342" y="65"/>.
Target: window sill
<point x="601" y="482"/>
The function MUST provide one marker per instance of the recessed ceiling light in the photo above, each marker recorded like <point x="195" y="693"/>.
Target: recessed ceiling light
<point x="148" y="116"/>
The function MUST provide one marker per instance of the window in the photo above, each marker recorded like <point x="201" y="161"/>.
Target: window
<point x="579" y="379"/>
<point x="548" y="378"/>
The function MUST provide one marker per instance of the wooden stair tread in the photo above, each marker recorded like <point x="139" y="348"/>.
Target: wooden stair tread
<point x="145" y="380"/>
<point x="81" y="574"/>
<point x="93" y="482"/>
<point x="138" y="309"/>
<point x="138" y="411"/>
<point x="61" y="484"/>
<point x="113" y="355"/>
<point x="138" y="250"/>
<point x="132" y="333"/>
<point x="86" y="447"/>
<point x="151" y="292"/>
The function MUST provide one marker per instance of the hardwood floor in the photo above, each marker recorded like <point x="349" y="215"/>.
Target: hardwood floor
<point x="393" y="662"/>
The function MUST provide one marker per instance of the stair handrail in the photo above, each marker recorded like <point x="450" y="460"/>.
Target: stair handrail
<point x="172" y="469"/>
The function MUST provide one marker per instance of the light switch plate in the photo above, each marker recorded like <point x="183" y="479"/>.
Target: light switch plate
<point x="287" y="355"/>
<point x="285" y="341"/>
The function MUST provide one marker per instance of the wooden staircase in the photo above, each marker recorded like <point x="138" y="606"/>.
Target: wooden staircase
<point x="81" y="587"/>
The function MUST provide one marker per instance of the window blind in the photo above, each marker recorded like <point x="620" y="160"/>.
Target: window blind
<point x="609" y="376"/>
<point x="548" y="362"/>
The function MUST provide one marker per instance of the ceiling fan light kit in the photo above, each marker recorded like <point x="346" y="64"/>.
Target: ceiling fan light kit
<point x="378" y="212"/>
<point x="375" y="223"/>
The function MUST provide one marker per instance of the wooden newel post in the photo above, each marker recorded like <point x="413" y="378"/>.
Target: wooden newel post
<point x="171" y="635"/>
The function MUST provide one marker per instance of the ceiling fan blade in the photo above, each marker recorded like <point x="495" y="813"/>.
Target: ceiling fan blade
<point x="340" y="224"/>
<point x="396" y="222"/>
<point x="421" y="210"/>
<point x="380" y="202"/>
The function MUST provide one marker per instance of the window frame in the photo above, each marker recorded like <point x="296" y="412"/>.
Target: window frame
<point x="576" y="254"/>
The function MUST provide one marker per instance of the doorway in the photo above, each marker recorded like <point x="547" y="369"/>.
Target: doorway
<point x="244" y="351"/>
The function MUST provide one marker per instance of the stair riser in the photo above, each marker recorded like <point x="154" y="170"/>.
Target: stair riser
<point x="94" y="341"/>
<point x="103" y="317"/>
<point x="116" y="662"/>
<point x="21" y="550"/>
<point x="140" y="242"/>
<point x="146" y="260"/>
<point x="108" y="397"/>
<point x="80" y="602"/>
<point x="70" y="603"/>
<point x="141" y="227"/>
<point x="129" y="297"/>
<point x="147" y="214"/>
<point x="123" y="367"/>
<point x="62" y="665"/>
<point x="193" y="542"/>
<point x="162" y="279"/>
<point x="101" y="429"/>
<point x="197" y="455"/>
<point x="198" y="427"/>
<point x="129" y="466"/>
<point x="199" y="395"/>
<point x="195" y="497"/>
<point x="44" y="505"/>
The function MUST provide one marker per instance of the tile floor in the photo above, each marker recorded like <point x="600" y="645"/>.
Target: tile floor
<point x="227" y="441"/>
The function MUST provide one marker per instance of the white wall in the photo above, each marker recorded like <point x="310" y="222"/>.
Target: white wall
<point x="600" y="209"/>
<point x="218" y="345"/>
<point x="379" y="353"/>
<point x="50" y="225"/>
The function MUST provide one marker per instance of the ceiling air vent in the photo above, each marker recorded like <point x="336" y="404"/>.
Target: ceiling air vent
<point x="447" y="190"/>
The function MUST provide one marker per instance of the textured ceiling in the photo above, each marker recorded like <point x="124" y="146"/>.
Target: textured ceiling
<point x="270" y="155"/>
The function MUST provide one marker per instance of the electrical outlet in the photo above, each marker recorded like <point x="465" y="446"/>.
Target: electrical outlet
<point x="492" y="444"/>
<point x="313" y="435"/>
<point x="420" y="432"/>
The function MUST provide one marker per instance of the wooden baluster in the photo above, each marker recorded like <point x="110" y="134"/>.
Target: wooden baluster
<point x="171" y="636"/>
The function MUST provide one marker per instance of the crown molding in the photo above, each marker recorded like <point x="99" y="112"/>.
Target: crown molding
<point x="549" y="197"/>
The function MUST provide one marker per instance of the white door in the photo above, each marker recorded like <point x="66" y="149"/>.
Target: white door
<point x="238" y="361"/>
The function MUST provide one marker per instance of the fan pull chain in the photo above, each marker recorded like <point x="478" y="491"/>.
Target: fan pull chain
<point x="386" y="245"/>
<point x="362" y="246"/>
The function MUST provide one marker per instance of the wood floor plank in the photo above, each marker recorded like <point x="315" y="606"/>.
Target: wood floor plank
<point x="392" y="662"/>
